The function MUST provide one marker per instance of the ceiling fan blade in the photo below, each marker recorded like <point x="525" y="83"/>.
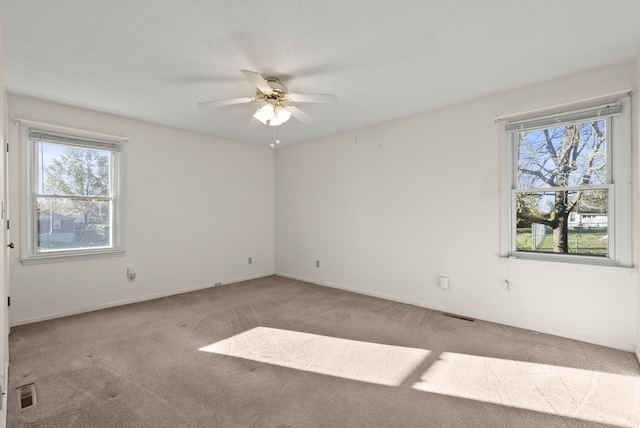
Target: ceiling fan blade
<point x="258" y="81"/>
<point x="314" y="98"/>
<point x="302" y="116"/>
<point x="228" y="102"/>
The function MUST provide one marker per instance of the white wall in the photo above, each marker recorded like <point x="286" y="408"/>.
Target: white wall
<point x="387" y="209"/>
<point x="196" y="208"/>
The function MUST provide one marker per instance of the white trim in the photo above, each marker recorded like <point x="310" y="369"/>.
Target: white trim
<point x="5" y="394"/>
<point x="609" y="343"/>
<point x="15" y="323"/>
<point x="638" y="355"/>
<point x="119" y="197"/>
<point x="621" y="161"/>
<point x="507" y="214"/>
<point x="69" y="139"/>
<point x="59" y="258"/>
<point x="580" y="263"/>
<point x="565" y="118"/>
<point x="568" y="105"/>
<point x="553" y="189"/>
<point x="26" y="183"/>
<point x="75" y="131"/>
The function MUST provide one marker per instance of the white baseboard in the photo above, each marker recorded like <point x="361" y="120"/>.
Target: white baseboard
<point x="638" y="355"/>
<point x="15" y="323"/>
<point x="609" y="343"/>
<point x="5" y="394"/>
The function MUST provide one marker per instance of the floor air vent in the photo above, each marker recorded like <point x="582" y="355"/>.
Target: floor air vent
<point x="26" y="396"/>
<point x="460" y="317"/>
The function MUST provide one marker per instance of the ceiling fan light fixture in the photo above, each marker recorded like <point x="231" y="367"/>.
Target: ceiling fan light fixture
<point x="281" y="113"/>
<point x="264" y="113"/>
<point x="275" y="122"/>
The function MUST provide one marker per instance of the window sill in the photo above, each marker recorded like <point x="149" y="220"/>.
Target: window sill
<point x="563" y="264"/>
<point x="59" y="258"/>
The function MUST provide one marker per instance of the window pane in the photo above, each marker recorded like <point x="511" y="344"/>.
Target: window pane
<point x="66" y="224"/>
<point x="573" y="155"/>
<point x="573" y="222"/>
<point x="71" y="170"/>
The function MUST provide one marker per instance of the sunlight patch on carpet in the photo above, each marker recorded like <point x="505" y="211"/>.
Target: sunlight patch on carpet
<point x="349" y="359"/>
<point x="555" y="390"/>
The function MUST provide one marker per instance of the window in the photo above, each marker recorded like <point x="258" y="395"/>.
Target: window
<point x="73" y="207"/>
<point x="565" y="185"/>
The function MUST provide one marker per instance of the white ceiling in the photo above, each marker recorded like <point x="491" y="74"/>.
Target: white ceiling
<point x="155" y="60"/>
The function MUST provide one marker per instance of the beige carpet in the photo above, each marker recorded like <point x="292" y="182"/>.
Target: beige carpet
<point x="275" y="352"/>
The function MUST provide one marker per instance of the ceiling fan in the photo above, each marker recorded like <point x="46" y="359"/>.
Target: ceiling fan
<point x="276" y="104"/>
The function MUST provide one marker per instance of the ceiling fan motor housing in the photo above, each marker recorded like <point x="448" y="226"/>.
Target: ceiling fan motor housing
<point x="279" y="91"/>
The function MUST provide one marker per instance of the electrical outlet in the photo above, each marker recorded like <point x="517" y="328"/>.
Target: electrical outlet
<point x="131" y="273"/>
<point x="250" y="260"/>
<point x="317" y="263"/>
<point x="444" y="282"/>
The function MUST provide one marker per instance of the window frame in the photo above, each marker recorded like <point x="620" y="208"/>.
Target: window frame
<point x="619" y="182"/>
<point x="28" y="195"/>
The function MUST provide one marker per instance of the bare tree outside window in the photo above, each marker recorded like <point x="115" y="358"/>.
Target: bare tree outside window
<point x="562" y="189"/>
